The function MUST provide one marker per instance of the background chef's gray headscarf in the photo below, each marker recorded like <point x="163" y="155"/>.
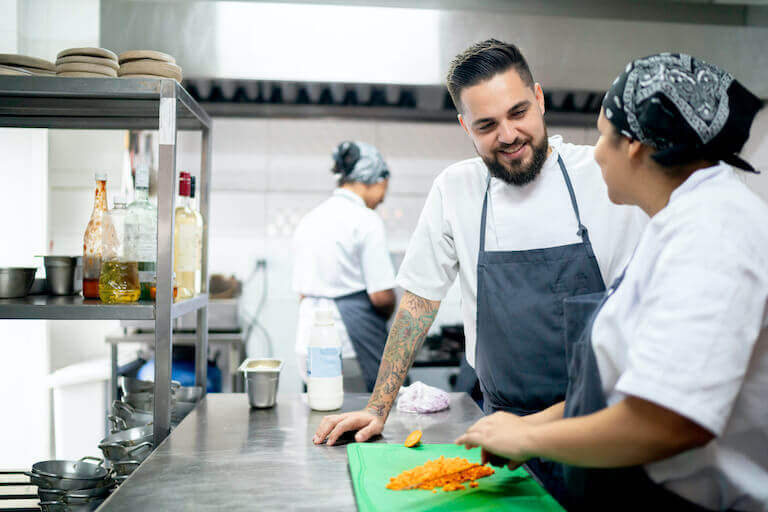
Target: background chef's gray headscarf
<point x="685" y="108"/>
<point x="359" y="162"/>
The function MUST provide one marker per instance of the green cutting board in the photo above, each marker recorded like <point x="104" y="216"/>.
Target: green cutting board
<point x="372" y="465"/>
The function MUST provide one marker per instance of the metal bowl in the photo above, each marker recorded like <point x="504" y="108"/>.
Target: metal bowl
<point x="132" y="444"/>
<point x="189" y="393"/>
<point x="131" y="385"/>
<point x="69" y="475"/>
<point x="124" y="417"/>
<point x="125" y="467"/>
<point x="16" y="282"/>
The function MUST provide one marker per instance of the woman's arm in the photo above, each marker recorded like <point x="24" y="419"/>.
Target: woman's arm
<point x="629" y="433"/>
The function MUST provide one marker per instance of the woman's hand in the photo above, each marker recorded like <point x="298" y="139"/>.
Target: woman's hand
<point x="501" y="434"/>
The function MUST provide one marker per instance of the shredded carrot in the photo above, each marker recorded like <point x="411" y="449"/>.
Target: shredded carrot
<point x="442" y="472"/>
<point x="473" y="484"/>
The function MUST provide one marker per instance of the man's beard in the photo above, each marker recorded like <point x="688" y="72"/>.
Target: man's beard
<point x="519" y="174"/>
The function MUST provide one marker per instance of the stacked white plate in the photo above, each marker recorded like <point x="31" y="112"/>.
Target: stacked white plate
<point x="148" y="64"/>
<point x="87" y="63"/>
<point x="22" y="65"/>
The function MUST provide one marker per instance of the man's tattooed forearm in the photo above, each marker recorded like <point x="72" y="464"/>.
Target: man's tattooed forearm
<point x="409" y="329"/>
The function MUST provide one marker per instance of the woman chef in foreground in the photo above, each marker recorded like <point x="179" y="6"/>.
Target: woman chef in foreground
<point x="668" y="373"/>
<point x="341" y="262"/>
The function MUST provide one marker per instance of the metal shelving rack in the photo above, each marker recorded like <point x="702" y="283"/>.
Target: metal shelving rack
<point x="128" y="104"/>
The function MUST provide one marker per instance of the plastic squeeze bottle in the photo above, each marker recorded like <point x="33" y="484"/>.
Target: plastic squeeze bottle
<point x="325" y="384"/>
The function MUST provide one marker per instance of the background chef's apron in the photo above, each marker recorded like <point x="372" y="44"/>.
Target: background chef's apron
<point x="520" y="351"/>
<point x="367" y="331"/>
<point x="602" y="489"/>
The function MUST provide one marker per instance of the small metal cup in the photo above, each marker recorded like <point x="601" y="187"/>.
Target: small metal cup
<point x="262" y="377"/>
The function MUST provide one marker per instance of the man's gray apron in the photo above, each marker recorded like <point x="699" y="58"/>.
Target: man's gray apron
<point x="520" y="352"/>
<point x="602" y="489"/>
<point x="367" y="331"/>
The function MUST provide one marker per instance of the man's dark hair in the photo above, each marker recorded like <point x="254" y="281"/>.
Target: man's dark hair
<point x="481" y="62"/>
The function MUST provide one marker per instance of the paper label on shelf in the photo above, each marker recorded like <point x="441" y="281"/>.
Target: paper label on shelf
<point x="167" y="132"/>
<point x="324" y="362"/>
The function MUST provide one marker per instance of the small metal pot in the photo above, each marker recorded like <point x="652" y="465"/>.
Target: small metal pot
<point x="76" y="503"/>
<point x="53" y="506"/>
<point x="132" y="385"/>
<point x="125" y="467"/>
<point x="16" y="282"/>
<point x="132" y="444"/>
<point x="69" y="475"/>
<point x="50" y="495"/>
<point x="144" y="400"/>
<point x="64" y="274"/>
<point x="124" y="417"/>
<point x="120" y="479"/>
<point x="117" y="453"/>
<point x="262" y="377"/>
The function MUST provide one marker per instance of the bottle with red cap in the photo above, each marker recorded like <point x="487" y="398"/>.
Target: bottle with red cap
<point x="187" y="241"/>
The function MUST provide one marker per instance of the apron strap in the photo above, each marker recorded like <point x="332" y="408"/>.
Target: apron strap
<point x="484" y="214"/>
<point x="574" y="204"/>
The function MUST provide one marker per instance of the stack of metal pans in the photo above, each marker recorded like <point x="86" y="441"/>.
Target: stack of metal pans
<point x="133" y="444"/>
<point x="140" y="395"/>
<point x="71" y="486"/>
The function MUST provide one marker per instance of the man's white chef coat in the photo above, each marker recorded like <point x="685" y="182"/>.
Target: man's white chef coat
<point x="534" y="216"/>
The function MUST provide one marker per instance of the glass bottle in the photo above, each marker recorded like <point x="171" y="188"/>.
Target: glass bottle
<point x="185" y="240"/>
<point x="92" y="240"/>
<point x="141" y="230"/>
<point x="119" y="280"/>
<point x="199" y="223"/>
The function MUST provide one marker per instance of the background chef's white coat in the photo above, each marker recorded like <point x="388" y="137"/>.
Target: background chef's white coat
<point x="537" y="215"/>
<point x="686" y="329"/>
<point x="339" y="248"/>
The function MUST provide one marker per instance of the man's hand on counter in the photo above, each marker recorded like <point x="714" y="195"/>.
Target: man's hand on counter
<point x="332" y="427"/>
<point x="414" y="317"/>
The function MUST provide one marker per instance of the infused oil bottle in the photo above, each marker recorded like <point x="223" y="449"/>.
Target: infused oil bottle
<point x="92" y="240"/>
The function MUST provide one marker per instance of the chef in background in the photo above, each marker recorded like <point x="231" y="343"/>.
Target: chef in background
<point x="341" y="262"/>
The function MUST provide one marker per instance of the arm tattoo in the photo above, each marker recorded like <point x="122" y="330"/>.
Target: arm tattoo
<point x="414" y="317"/>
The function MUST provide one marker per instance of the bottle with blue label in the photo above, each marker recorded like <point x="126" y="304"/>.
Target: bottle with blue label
<point x="325" y="384"/>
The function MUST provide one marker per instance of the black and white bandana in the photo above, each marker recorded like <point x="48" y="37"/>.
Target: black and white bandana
<point x="683" y="107"/>
<point x="360" y="162"/>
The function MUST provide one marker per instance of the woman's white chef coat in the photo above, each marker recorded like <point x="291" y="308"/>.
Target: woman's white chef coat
<point x="339" y="248"/>
<point x="537" y="215"/>
<point x="686" y="329"/>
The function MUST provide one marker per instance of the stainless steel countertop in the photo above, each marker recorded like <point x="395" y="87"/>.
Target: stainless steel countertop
<point x="226" y="456"/>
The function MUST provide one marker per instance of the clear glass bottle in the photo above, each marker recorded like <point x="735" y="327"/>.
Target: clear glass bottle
<point x="185" y="241"/>
<point x="199" y="226"/>
<point x="92" y="240"/>
<point x="141" y="230"/>
<point x="119" y="280"/>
